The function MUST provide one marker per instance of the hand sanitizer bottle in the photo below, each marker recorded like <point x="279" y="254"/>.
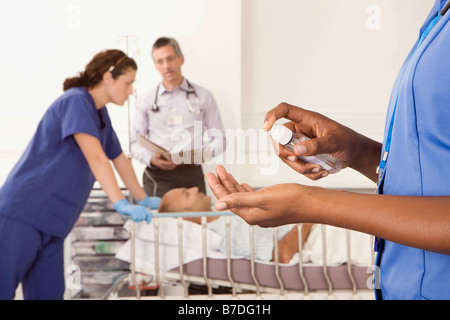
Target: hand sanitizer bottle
<point x="289" y="139"/>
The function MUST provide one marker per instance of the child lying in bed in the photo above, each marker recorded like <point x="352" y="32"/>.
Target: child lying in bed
<point x="191" y="200"/>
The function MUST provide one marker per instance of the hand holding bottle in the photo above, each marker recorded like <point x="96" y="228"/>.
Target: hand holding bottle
<point x="289" y="140"/>
<point x="326" y="137"/>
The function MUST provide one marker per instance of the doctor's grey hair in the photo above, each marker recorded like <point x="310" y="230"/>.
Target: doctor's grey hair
<point x="166" y="41"/>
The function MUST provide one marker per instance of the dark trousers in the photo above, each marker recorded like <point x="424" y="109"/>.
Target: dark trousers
<point x="157" y="181"/>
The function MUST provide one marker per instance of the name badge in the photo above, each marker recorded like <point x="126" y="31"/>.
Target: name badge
<point x="174" y="119"/>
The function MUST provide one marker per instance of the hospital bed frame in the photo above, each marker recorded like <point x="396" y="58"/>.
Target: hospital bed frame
<point x="254" y="280"/>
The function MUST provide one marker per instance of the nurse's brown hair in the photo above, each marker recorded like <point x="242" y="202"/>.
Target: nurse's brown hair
<point x="114" y="61"/>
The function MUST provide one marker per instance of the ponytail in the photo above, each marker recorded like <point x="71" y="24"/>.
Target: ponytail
<point x="114" y="61"/>
<point x="77" y="81"/>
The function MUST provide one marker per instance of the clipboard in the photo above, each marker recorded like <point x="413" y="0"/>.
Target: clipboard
<point x="154" y="147"/>
<point x="191" y="157"/>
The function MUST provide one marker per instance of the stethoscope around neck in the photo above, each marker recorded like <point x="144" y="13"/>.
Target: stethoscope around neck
<point x="190" y="90"/>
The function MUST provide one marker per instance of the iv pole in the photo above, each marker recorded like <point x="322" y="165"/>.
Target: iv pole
<point x="127" y="39"/>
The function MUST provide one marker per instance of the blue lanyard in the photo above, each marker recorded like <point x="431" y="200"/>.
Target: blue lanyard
<point x="387" y="145"/>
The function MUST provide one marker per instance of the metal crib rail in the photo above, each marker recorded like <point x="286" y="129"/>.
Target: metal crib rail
<point x="252" y="262"/>
<point x="205" y="258"/>
<point x="349" y="264"/>
<point x="180" y="256"/>
<point x="230" y="277"/>
<point x="300" y="262"/>
<point x="160" y="279"/>
<point x="325" y="267"/>
<point x="277" y="264"/>
<point x="162" y="293"/>
<point x="179" y="216"/>
<point x="133" y="259"/>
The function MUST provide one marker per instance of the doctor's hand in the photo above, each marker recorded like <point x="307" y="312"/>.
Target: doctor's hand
<point x="137" y="213"/>
<point x="158" y="161"/>
<point x="269" y="207"/>
<point x="327" y="136"/>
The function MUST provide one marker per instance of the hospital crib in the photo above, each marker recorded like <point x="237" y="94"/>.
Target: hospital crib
<point x="244" y="278"/>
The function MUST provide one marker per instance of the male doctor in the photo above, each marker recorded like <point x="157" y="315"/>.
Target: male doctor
<point x="175" y="115"/>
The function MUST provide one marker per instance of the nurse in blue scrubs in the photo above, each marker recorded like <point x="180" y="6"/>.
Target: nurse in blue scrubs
<point x="42" y="197"/>
<point x="410" y="215"/>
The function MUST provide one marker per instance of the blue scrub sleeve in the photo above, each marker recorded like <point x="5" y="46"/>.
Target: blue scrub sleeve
<point x="77" y="115"/>
<point x="113" y="148"/>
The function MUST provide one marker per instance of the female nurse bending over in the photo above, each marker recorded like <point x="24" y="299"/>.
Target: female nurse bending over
<point x="47" y="189"/>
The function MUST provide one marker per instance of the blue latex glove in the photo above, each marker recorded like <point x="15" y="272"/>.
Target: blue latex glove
<point x="137" y="213"/>
<point x="150" y="202"/>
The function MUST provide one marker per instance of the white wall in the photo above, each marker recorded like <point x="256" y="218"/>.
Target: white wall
<point x="338" y="57"/>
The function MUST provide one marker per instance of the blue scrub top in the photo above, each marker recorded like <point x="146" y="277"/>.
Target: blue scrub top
<point x="50" y="184"/>
<point x="419" y="160"/>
